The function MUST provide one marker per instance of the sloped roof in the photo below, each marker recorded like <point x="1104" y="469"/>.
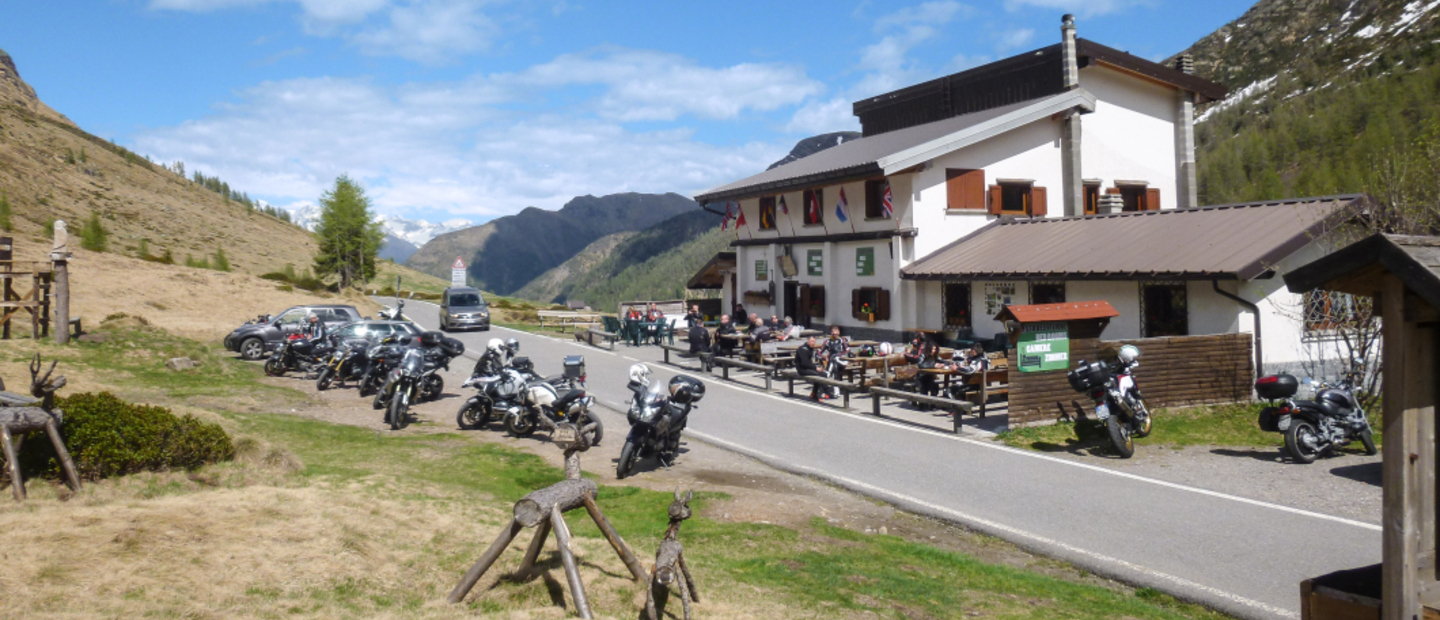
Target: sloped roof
<point x="1072" y="311"/>
<point x="1352" y="269"/>
<point x="1236" y="241"/>
<point x="889" y="152"/>
<point x="709" y="275"/>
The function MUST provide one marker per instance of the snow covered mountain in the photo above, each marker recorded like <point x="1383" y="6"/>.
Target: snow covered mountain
<point x="414" y="232"/>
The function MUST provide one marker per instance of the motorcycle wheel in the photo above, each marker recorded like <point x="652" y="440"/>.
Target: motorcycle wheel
<point x="322" y="382"/>
<point x="628" y="455"/>
<point x="591" y="418"/>
<point x="1142" y="429"/>
<point x="1298" y="439"/>
<point x="473" y="415"/>
<point x="397" y="413"/>
<point x="1367" y="439"/>
<point x="274" y="367"/>
<point x="431" y="389"/>
<point x="1120" y="437"/>
<point x="379" y="402"/>
<point x="519" y="425"/>
<point x="367" y="384"/>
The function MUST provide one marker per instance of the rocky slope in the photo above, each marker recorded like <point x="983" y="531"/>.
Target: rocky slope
<point x="815" y="144"/>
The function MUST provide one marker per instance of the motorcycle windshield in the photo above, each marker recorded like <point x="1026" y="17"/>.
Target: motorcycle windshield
<point x="413" y="363"/>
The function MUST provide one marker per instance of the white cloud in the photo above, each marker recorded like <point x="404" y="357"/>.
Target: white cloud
<point x="819" y="117"/>
<point x="1012" y="39"/>
<point x="885" y="64"/>
<point x="928" y="13"/>
<point x="1084" y="8"/>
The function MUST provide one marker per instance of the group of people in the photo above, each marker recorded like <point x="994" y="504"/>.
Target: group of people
<point x="822" y="359"/>
<point x="925" y="354"/>
<point x="651" y="319"/>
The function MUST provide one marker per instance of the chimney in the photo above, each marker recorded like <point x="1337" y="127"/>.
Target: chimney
<point x="1185" y="63"/>
<point x="1110" y="204"/>
<point x="1067" y="54"/>
<point x="1185" y="184"/>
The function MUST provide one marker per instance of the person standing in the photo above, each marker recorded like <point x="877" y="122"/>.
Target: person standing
<point x="694" y="317"/>
<point x="805" y="365"/>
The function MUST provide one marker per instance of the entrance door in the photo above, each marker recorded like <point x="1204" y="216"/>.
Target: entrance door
<point x="802" y="314"/>
<point x="792" y="301"/>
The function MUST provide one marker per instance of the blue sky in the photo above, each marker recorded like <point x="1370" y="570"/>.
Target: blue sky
<point x="475" y="109"/>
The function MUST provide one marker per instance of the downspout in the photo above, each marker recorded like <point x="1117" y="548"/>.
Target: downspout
<point x="1254" y="310"/>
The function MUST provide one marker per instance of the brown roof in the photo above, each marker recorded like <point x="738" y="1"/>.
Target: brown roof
<point x="1353" y="269"/>
<point x="1074" y="311"/>
<point x="1236" y="241"/>
<point x="709" y="275"/>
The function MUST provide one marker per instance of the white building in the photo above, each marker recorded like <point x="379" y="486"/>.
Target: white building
<point x="1073" y="130"/>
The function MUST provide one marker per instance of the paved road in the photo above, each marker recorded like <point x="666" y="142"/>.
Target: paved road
<point x="1242" y="556"/>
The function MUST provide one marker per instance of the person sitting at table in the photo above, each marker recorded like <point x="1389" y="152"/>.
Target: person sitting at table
<point x="633" y="314"/>
<point x="654" y="314"/>
<point x="970" y="361"/>
<point x="929" y="384"/>
<point x="750" y="322"/>
<point x="788" y="329"/>
<point x="835" y="347"/>
<point x="759" y="332"/>
<point x="805" y="365"/>
<point x="724" y="345"/>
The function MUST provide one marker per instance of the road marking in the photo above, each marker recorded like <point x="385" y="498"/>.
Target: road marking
<point x="986" y="523"/>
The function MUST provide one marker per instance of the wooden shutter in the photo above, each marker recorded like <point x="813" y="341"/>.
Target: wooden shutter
<point x="1112" y="190"/>
<point x="1152" y="199"/>
<point x="996" y="200"/>
<point x="964" y="189"/>
<point x="817" y="300"/>
<point x="882" y="305"/>
<point x="954" y="189"/>
<point x="1037" y="201"/>
<point x="855" y="303"/>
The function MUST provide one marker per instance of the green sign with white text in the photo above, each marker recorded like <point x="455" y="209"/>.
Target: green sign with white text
<point x="814" y="262"/>
<point x="1044" y="346"/>
<point x="864" y="261"/>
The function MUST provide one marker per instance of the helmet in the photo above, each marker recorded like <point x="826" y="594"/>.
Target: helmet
<point x="640" y="373"/>
<point x="312" y="317"/>
<point x="495" y="345"/>
<point x="1129" y="353"/>
<point x="512" y="344"/>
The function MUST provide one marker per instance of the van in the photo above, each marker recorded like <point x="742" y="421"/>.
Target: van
<point x="463" y="307"/>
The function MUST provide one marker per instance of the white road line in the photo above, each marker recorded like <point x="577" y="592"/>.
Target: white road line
<point x="1018" y="533"/>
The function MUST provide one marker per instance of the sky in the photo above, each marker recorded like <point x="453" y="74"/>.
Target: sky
<point x="475" y="109"/>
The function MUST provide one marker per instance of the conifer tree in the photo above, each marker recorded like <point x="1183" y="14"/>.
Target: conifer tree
<point x="348" y="234"/>
<point x="93" y="235"/>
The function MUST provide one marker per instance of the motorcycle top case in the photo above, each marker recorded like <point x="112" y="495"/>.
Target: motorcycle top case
<point x="697" y="388"/>
<point x="1276" y="386"/>
<point x="1088" y="376"/>
<point x="574" y="366"/>
<point x="431" y="339"/>
<point x="452" y="347"/>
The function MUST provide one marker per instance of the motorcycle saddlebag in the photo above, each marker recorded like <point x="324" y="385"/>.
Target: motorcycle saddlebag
<point x="1086" y="377"/>
<point x="431" y="339"/>
<point x="523" y="364"/>
<point x="452" y="347"/>
<point x="574" y="366"/>
<point x="1276" y="387"/>
<point x="1269" y="420"/>
<point x="697" y="389"/>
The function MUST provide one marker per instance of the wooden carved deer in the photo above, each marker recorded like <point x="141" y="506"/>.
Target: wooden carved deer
<point x="20" y="414"/>
<point x="670" y="559"/>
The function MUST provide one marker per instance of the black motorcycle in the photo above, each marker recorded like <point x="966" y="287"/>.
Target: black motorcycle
<point x="1118" y="402"/>
<point x="379" y="360"/>
<point x="297" y="353"/>
<point x="1313" y="427"/>
<point x="657" y="417"/>
<point x="403" y="388"/>
<point x="435" y="351"/>
<point x="348" y="362"/>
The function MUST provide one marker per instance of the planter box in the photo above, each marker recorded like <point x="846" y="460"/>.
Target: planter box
<point x="1352" y="594"/>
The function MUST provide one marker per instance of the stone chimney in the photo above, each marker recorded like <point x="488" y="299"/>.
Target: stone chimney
<point x="1185" y="63"/>
<point x="1185" y="184"/>
<point x="1073" y="192"/>
<point x="1067" y="53"/>
<point x="1110" y="204"/>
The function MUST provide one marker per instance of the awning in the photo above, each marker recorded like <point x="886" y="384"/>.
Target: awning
<point x="1077" y="311"/>
<point x="711" y="276"/>
<point x="1356" y="268"/>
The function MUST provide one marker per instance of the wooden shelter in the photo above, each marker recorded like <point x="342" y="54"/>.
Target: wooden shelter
<point x="1402" y="275"/>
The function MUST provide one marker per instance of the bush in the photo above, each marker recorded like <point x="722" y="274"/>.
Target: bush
<point x="5" y="224"/>
<point x="93" y="235"/>
<point x="220" y="262"/>
<point x="276" y="276"/>
<point x="108" y="437"/>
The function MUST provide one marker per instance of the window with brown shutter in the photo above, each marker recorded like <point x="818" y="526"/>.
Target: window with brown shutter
<point x="964" y="189"/>
<point x="1014" y="197"/>
<point x="1092" y="198"/>
<point x="868" y="300"/>
<point x="1134" y="197"/>
<point x="995" y="200"/>
<point x="817" y="300"/>
<point x="1037" y="202"/>
<point x="1152" y="199"/>
<point x="882" y="305"/>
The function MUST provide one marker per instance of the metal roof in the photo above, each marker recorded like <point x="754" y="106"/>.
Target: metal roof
<point x="1073" y="311"/>
<point x="864" y="157"/>
<point x="1236" y="241"/>
<point x="1354" y="268"/>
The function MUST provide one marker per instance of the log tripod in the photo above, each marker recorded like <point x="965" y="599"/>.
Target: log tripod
<point x="670" y="560"/>
<point x="545" y="510"/>
<point x="20" y="415"/>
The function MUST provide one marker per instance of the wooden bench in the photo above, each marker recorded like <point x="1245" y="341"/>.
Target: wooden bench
<point x="705" y="358"/>
<point x="726" y="364"/>
<point x="956" y="407"/>
<point x="566" y="318"/>
<point x="591" y="334"/>
<point x="845" y="387"/>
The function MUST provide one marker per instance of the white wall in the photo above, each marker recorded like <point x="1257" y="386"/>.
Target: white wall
<point x="1131" y="134"/>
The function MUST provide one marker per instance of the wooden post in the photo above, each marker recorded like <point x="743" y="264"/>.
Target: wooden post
<point x="483" y="564"/>
<point x="1401" y="535"/>
<point x="35" y="303"/>
<point x="13" y="461"/>
<point x="618" y="543"/>
<point x="62" y="299"/>
<point x="68" y="465"/>
<point x="536" y="545"/>
<point x="572" y="572"/>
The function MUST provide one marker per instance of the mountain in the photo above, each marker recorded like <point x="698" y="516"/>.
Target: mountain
<point x="506" y="253"/>
<point x="396" y="248"/>
<point x="554" y="286"/>
<point x="653" y="264"/>
<point x="815" y="144"/>
<point x="419" y="232"/>
<point x="51" y="169"/>
<point x="1326" y="94"/>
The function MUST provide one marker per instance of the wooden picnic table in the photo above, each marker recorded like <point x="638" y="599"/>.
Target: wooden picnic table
<point x="857" y="366"/>
<point x="566" y="318"/>
<point x="975" y="381"/>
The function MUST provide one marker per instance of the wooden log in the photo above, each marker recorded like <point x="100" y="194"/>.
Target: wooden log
<point x="533" y="553"/>
<point x="616" y="542"/>
<point x="20" y="420"/>
<point x="572" y="572"/>
<point x="566" y="495"/>
<point x="12" y="460"/>
<point x="472" y="576"/>
<point x="665" y="559"/>
<point x="62" y="301"/>
<point x="684" y="598"/>
<point x="71" y="475"/>
<point x="689" y="581"/>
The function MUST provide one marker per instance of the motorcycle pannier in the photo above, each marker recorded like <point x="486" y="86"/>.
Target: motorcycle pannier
<point x="1276" y="386"/>
<point x="574" y="366"/>
<point x="696" y="391"/>
<point x="522" y="364"/>
<point x="1088" y="376"/>
<point x="452" y="347"/>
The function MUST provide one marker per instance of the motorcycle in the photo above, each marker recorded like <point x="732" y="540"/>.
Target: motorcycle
<point x="657" y="416"/>
<point x="542" y="404"/>
<point x="296" y="352"/>
<point x="1313" y="427"/>
<point x="403" y="388"/>
<point x="1118" y="402"/>
<point x="346" y="363"/>
<point x="379" y="360"/>
<point x="435" y="351"/>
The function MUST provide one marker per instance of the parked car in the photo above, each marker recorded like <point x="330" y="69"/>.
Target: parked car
<point x="462" y="307"/>
<point x="373" y="330"/>
<point x="254" y="338"/>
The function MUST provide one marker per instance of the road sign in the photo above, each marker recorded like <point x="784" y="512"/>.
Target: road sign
<point x="457" y="273"/>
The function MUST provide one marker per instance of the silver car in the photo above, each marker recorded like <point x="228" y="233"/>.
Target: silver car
<point x="462" y="307"/>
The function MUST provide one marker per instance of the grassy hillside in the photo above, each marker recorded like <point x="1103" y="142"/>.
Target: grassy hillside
<point x="662" y="276"/>
<point x="555" y="285"/>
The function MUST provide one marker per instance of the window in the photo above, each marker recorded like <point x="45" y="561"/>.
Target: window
<point x="292" y="317"/>
<point x="767" y="213"/>
<point x="1138" y="197"/>
<point x="955" y="304"/>
<point x="814" y="207"/>
<point x="1092" y="198"/>
<point x="1163" y="310"/>
<point x="964" y="189"/>
<point x="875" y="199"/>
<point x="870" y="301"/>
<point x="1017" y="198"/>
<point x="1047" y="292"/>
<point x="1328" y="311"/>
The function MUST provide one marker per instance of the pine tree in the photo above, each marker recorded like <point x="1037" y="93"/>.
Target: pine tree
<point x="348" y="234"/>
<point x="93" y="235"/>
<point x="220" y="262"/>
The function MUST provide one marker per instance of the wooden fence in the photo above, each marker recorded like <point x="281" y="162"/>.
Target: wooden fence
<point x="25" y="288"/>
<point x="1174" y="372"/>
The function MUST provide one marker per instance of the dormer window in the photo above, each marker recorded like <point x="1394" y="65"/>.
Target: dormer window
<point x="1137" y="195"/>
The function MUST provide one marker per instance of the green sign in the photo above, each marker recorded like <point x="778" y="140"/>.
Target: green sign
<point x="1044" y="346"/>
<point x="815" y="262"/>
<point x="761" y="273"/>
<point x="864" y="261"/>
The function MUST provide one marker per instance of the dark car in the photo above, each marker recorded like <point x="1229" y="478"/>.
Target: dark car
<point x="254" y="338"/>
<point x="462" y="307"/>
<point x="374" y="331"/>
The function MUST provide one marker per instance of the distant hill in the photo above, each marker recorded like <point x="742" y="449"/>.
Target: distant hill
<point x="397" y="249"/>
<point x="556" y="284"/>
<point x="660" y="276"/>
<point x="815" y="144"/>
<point x="507" y="253"/>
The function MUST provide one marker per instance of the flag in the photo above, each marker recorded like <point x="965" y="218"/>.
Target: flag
<point x="783" y="207"/>
<point x="886" y="203"/>
<point x="739" y="219"/>
<point x="840" y="207"/>
<point x="814" y="208"/>
<point x="725" y="223"/>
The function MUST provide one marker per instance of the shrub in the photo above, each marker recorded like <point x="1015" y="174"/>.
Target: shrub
<point x="220" y="262"/>
<point x="143" y="251"/>
<point x="110" y="437"/>
<point x="5" y="224"/>
<point x="191" y="261"/>
<point x="93" y="235"/>
<point x="276" y="276"/>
